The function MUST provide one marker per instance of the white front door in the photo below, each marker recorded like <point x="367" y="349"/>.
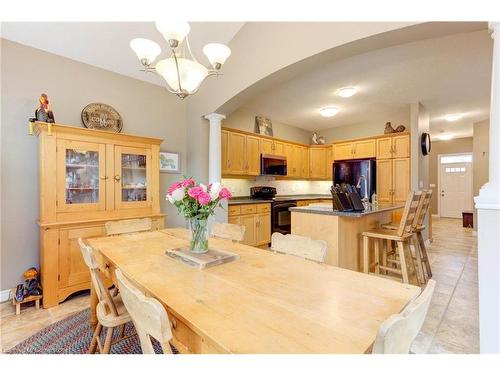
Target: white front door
<point x="455" y="189"/>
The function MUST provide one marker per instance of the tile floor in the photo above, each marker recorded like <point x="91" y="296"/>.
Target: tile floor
<point x="451" y="326"/>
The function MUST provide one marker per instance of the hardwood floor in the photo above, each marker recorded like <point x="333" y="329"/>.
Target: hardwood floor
<point x="451" y="326"/>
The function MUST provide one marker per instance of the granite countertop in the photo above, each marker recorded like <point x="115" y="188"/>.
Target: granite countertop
<point x="328" y="210"/>
<point x="248" y="200"/>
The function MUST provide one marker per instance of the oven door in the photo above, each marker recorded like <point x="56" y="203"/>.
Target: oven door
<point x="272" y="165"/>
<point x="282" y="217"/>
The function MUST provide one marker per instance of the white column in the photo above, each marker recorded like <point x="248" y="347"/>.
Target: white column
<point x="214" y="148"/>
<point x="488" y="211"/>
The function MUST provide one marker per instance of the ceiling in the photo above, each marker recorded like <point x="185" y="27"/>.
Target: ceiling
<point x="106" y="44"/>
<point x="447" y="75"/>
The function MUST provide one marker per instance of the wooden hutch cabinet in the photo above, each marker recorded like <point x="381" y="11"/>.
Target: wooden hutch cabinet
<point x="89" y="177"/>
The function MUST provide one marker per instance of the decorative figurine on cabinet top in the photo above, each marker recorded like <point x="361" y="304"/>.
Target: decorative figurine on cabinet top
<point x="43" y="112"/>
<point x="389" y="129"/>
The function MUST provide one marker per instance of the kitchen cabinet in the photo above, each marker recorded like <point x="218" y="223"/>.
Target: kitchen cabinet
<point x="317" y="162"/>
<point x="89" y="177"/>
<point x="355" y="150"/>
<point x="393" y="182"/>
<point x="305" y="162"/>
<point x="272" y="147"/>
<point x="393" y="147"/>
<point x="329" y="162"/>
<point x="256" y="218"/>
<point x="240" y="154"/>
<point x="293" y="155"/>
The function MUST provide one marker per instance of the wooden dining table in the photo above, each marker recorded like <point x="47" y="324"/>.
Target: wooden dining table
<point x="263" y="302"/>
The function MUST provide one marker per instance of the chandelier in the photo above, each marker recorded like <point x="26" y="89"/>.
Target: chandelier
<point x="182" y="72"/>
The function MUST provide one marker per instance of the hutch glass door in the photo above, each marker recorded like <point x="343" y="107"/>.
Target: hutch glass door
<point x="133" y="176"/>
<point x="81" y="169"/>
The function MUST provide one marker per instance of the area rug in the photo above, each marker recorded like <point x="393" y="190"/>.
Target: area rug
<point x="72" y="335"/>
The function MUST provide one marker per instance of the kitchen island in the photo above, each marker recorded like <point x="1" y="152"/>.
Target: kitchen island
<point x="341" y="230"/>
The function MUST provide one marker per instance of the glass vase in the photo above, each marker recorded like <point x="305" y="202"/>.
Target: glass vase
<point x="198" y="241"/>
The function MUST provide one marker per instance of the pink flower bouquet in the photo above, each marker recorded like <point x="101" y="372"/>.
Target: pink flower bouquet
<point x="196" y="203"/>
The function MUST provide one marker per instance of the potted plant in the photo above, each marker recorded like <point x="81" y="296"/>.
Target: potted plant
<point x="196" y="202"/>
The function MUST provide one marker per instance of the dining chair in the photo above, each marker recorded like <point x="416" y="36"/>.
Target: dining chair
<point x="128" y="226"/>
<point x="418" y="226"/>
<point x="303" y="247"/>
<point x="401" y="237"/>
<point x="149" y="316"/>
<point x="111" y="312"/>
<point x="228" y="231"/>
<point x="397" y="333"/>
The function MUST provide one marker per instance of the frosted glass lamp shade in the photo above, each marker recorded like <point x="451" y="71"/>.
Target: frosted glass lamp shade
<point x="191" y="74"/>
<point x="217" y="54"/>
<point x="146" y="50"/>
<point x="176" y="31"/>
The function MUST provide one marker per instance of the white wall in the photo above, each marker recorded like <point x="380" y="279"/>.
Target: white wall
<point x="26" y="72"/>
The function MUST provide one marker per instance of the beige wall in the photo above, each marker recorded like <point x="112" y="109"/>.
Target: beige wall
<point x="453" y="146"/>
<point x="26" y="72"/>
<point x="480" y="147"/>
<point x="244" y="120"/>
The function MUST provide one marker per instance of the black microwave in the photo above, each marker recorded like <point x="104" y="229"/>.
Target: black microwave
<point x="272" y="165"/>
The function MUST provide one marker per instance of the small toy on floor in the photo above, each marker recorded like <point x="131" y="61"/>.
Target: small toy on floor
<point x="27" y="292"/>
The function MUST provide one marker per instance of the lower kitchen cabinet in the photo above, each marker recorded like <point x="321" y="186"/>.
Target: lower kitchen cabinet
<point x="256" y="218"/>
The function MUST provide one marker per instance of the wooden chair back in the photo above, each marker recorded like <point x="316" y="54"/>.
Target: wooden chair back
<point x="102" y="292"/>
<point x="397" y="333"/>
<point x="149" y="316"/>
<point x="228" y="231"/>
<point x="300" y="246"/>
<point x="409" y="212"/>
<point x="128" y="226"/>
<point x="422" y="212"/>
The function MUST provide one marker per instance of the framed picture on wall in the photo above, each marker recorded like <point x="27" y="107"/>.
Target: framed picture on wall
<point x="170" y="162"/>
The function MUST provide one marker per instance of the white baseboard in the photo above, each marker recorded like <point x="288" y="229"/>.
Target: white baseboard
<point x="435" y="215"/>
<point x="4" y="295"/>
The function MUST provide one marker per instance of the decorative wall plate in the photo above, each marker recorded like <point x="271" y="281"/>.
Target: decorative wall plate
<point x="101" y="116"/>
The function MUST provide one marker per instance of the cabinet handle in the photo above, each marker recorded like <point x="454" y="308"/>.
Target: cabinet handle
<point x="104" y="178"/>
<point x="117" y="177"/>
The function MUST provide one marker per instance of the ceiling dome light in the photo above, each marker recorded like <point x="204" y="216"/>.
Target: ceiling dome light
<point x="217" y="54"/>
<point x="445" y="137"/>
<point x="454" y="117"/>
<point x="173" y="32"/>
<point x="347" y="92"/>
<point x="146" y="50"/>
<point x="328" y="111"/>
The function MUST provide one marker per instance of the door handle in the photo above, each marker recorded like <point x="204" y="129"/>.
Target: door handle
<point x="104" y="177"/>
<point x="117" y="177"/>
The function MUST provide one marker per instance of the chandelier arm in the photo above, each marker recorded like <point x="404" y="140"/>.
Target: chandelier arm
<point x="178" y="73"/>
<point x="189" y="50"/>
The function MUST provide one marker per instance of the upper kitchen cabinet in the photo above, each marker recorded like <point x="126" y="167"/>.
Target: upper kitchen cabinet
<point x="393" y="147"/>
<point x="318" y="162"/>
<point x="240" y="154"/>
<point x="355" y="150"/>
<point x="272" y="147"/>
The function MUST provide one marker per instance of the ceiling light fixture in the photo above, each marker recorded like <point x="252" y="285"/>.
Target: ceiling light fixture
<point x="347" y="92"/>
<point x="328" y="111"/>
<point x="182" y="72"/>
<point x="445" y="137"/>
<point x="453" y="117"/>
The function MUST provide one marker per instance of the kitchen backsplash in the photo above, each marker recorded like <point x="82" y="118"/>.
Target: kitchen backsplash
<point x="241" y="187"/>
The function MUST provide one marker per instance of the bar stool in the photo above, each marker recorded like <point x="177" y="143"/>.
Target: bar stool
<point x="401" y="237"/>
<point x="418" y="239"/>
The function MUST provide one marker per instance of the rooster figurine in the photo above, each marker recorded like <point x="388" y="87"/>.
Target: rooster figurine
<point x="43" y="112"/>
<point x="389" y="129"/>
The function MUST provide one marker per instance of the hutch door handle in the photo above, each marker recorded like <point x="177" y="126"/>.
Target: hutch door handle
<point x="117" y="177"/>
<point x="104" y="177"/>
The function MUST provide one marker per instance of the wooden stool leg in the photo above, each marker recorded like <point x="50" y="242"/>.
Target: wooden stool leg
<point x="412" y="270"/>
<point x="93" y="343"/>
<point x="37" y="304"/>
<point x="366" y="256"/>
<point x="385" y="250"/>
<point x="93" y="305"/>
<point x="18" y="308"/>
<point x="107" y="342"/>
<point x="402" y="259"/>
<point x="423" y="251"/>
<point x="418" y="258"/>
<point x="376" y="254"/>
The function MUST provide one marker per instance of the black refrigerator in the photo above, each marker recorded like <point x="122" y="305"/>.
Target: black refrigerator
<point x="350" y="171"/>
